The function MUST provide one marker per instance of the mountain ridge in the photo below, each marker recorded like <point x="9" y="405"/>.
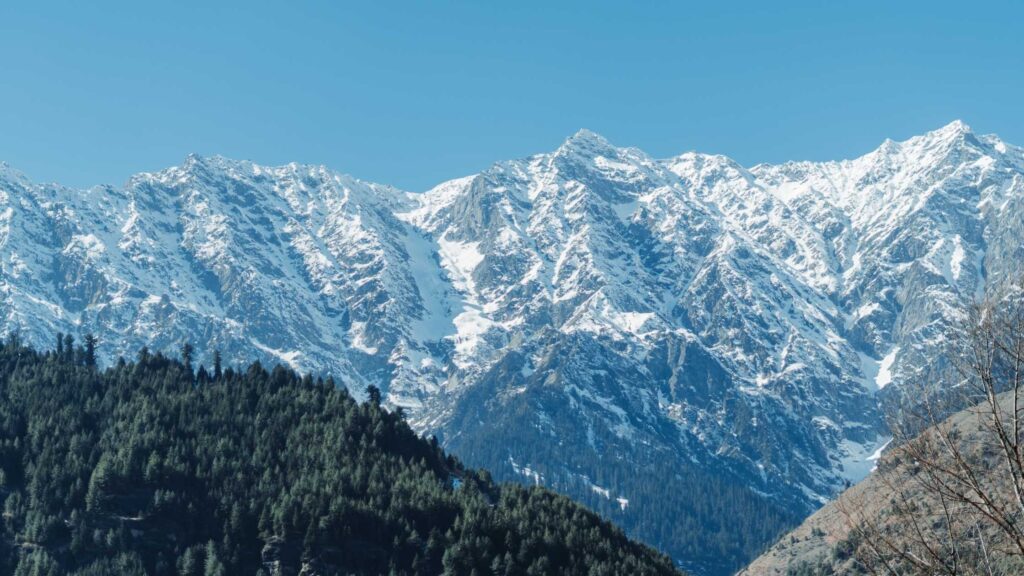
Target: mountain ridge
<point x="749" y="322"/>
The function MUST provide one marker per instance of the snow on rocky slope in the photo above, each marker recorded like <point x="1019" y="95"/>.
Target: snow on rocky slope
<point x="560" y="312"/>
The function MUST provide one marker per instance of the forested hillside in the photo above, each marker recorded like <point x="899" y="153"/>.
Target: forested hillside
<point x="152" y="467"/>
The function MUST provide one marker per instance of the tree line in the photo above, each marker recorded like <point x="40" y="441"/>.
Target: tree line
<point x="156" y="467"/>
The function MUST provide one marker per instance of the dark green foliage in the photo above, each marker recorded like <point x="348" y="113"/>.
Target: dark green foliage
<point x="90" y="350"/>
<point x="144" y="468"/>
<point x="217" y="369"/>
<point x="373" y="395"/>
<point x="186" y="355"/>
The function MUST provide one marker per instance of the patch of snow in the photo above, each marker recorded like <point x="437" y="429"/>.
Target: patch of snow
<point x="624" y="169"/>
<point x="152" y="300"/>
<point x="508" y="237"/>
<point x="863" y="312"/>
<point x="601" y="316"/>
<point x="855" y="266"/>
<point x="858" y="460"/>
<point x="869" y="368"/>
<point x="824" y="422"/>
<point x="460" y="259"/>
<point x="430" y="203"/>
<point x="470" y="326"/>
<point x="625" y="210"/>
<point x="884" y="375"/>
<point x="17" y="268"/>
<point x="358" y="333"/>
<point x="878" y="454"/>
<point x="764" y="378"/>
<point x="292" y="358"/>
<point x="89" y="244"/>
<point x="787" y="191"/>
<point x="526" y="471"/>
<point x="956" y="259"/>
<point x="435" y="292"/>
<point x="631" y="322"/>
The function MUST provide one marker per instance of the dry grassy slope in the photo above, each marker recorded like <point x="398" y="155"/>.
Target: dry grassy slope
<point x="818" y="536"/>
<point x="825" y="536"/>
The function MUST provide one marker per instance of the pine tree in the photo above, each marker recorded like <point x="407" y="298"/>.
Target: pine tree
<point x="189" y="562"/>
<point x="216" y="365"/>
<point x="373" y="393"/>
<point x="214" y="567"/>
<point x="186" y="355"/>
<point x="99" y="482"/>
<point x="69" y="347"/>
<point x="90" y="349"/>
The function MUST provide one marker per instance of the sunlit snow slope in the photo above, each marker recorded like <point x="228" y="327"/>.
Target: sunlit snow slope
<point x="563" y="318"/>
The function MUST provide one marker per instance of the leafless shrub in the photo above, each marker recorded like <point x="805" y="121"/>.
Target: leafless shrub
<point x="955" y="485"/>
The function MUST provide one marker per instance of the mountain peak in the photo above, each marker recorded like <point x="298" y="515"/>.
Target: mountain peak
<point x="195" y="161"/>
<point x="585" y="139"/>
<point x="953" y="131"/>
<point x="585" y="134"/>
<point x="932" y="146"/>
<point x="9" y="172"/>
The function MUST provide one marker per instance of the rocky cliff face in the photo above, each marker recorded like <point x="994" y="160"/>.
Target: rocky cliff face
<point x="614" y="325"/>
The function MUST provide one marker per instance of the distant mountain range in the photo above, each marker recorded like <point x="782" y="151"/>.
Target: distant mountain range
<point x="699" y="350"/>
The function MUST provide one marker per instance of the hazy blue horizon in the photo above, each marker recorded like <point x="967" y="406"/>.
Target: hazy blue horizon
<point x="419" y="94"/>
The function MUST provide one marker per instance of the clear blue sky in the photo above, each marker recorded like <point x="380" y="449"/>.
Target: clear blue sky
<point x="415" y="93"/>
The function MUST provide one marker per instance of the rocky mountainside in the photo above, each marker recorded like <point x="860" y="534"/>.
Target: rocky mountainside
<point x="679" y="342"/>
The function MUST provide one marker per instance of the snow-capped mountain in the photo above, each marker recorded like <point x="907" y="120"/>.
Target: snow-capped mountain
<point x="591" y="318"/>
